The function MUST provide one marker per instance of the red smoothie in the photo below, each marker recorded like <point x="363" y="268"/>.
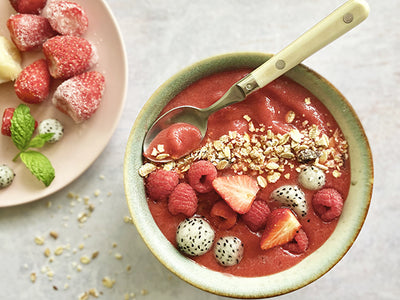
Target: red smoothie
<point x="263" y="137"/>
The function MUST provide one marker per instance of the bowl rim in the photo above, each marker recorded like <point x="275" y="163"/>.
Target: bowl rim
<point x="236" y="286"/>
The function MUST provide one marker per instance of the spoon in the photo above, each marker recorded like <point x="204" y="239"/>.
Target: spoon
<point x="340" y="21"/>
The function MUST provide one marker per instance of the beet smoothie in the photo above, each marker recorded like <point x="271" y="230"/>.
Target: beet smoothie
<point x="280" y="148"/>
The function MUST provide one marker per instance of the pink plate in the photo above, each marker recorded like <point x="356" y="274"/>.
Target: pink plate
<point x="82" y="143"/>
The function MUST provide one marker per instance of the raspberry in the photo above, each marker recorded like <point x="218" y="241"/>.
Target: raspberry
<point x="256" y="217"/>
<point x="160" y="184"/>
<point x="183" y="199"/>
<point x="327" y="204"/>
<point x="226" y="217"/>
<point x="201" y="175"/>
<point x="299" y="244"/>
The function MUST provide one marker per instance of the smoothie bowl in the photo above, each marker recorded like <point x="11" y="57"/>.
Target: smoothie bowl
<point x="271" y="199"/>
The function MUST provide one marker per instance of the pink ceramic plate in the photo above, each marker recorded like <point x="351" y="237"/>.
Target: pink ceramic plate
<point x="82" y="143"/>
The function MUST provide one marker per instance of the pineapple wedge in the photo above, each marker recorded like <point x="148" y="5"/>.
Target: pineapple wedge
<point x="10" y="60"/>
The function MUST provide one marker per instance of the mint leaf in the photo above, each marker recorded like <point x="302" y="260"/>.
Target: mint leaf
<point x="39" y="165"/>
<point x="39" y="140"/>
<point x="22" y="127"/>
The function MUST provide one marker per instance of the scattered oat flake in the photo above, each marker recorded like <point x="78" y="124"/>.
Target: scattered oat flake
<point x="39" y="240"/>
<point x="47" y="252"/>
<point x="32" y="276"/>
<point x="96" y="193"/>
<point x="118" y="256"/>
<point x="54" y="234"/>
<point x="59" y="250"/>
<point x="144" y="292"/>
<point x="85" y="259"/>
<point x="128" y="219"/>
<point x="108" y="282"/>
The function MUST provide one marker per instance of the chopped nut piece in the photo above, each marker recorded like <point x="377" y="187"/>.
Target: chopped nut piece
<point x="307" y="100"/>
<point x="336" y="173"/>
<point x="306" y="155"/>
<point x="290" y="116"/>
<point x="95" y="254"/>
<point x="32" y="276"/>
<point x="54" y="234"/>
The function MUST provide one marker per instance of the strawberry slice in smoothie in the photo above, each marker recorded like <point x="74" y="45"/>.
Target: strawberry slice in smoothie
<point x="174" y="142"/>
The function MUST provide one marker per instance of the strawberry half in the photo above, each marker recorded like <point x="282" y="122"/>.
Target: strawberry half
<point x="80" y="96"/>
<point x="33" y="83"/>
<point x="28" y="6"/>
<point x="29" y="32"/>
<point x="281" y="227"/>
<point x="68" y="56"/>
<point x="238" y="191"/>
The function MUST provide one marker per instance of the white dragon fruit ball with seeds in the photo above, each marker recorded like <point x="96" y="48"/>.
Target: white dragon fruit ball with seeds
<point x="6" y="176"/>
<point x="312" y="178"/>
<point x="194" y="236"/>
<point x="293" y="197"/>
<point x="229" y="251"/>
<point x="52" y="126"/>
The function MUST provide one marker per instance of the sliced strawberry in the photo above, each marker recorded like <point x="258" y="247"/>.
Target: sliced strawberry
<point x="28" y="6"/>
<point x="68" y="56"/>
<point x="281" y="227"/>
<point x="80" y="96"/>
<point x="29" y="32"/>
<point x="66" y="17"/>
<point x="238" y="191"/>
<point x="224" y="215"/>
<point x="6" y="121"/>
<point x="33" y="83"/>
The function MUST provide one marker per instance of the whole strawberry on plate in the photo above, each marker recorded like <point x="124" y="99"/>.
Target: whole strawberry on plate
<point x="29" y="32"/>
<point x="68" y="56"/>
<point x="80" y="96"/>
<point x="33" y="83"/>
<point x="28" y="6"/>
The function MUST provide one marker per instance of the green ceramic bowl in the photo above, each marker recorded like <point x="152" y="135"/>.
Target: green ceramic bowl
<point x="313" y="266"/>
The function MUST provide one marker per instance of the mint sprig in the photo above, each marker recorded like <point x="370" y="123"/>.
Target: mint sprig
<point x="22" y="127"/>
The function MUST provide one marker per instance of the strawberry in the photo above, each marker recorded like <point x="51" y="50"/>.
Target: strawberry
<point x="29" y="32"/>
<point x="68" y="56"/>
<point x="80" y="96"/>
<point x="28" y="6"/>
<point x="6" y="121"/>
<point x="239" y="191"/>
<point x="33" y="83"/>
<point x="281" y="227"/>
<point x="224" y="215"/>
<point x="66" y="17"/>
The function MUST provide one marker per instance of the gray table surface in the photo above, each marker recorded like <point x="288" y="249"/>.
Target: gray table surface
<point x="162" y="37"/>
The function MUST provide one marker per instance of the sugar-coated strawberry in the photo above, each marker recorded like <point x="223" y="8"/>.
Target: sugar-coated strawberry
<point x="239" y="191"/>
<point x="66" y="17"/>
<point x="327" y="204"/>
<point x="6" y="121"/>
<point x="183" y="200"/>
<point x="160" y="184"/>
<point x="68" y="55"/>
<point x="256" y="217"/>
<point x="224" y="215"/>
<point x="80" y="96"/>
<point x="28" y="6"/>
<point x="281" y="227"/>
<point x="33" y="83"/>
<point x="29" y="32"/>
<point x="299" y="244"/>
<point x="201" y="175"/>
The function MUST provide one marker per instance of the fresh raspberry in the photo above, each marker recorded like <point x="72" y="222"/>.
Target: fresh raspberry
<point x="224" y="215"/>
<point x="327" y="204"/>
<point x="69" y="55"/>
<point x="183" y="199"/>
<point x="201" y="175"/>
<point x="80" y="96"/>
<point x="33" y="83"/>
<point x="160" y="184"/>
<point x="66" y="17"/>
<point x="256" y="217"/>
<point x="29" y="32"/>
<point x="299" y="244"/>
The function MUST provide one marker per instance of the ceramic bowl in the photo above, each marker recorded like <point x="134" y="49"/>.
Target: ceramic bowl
<point x="314" y="265"/>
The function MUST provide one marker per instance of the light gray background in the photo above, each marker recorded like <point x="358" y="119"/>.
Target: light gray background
<point x="161" y="38"/>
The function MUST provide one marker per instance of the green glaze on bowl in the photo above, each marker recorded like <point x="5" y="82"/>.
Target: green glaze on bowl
<point x="312" y="267"/>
